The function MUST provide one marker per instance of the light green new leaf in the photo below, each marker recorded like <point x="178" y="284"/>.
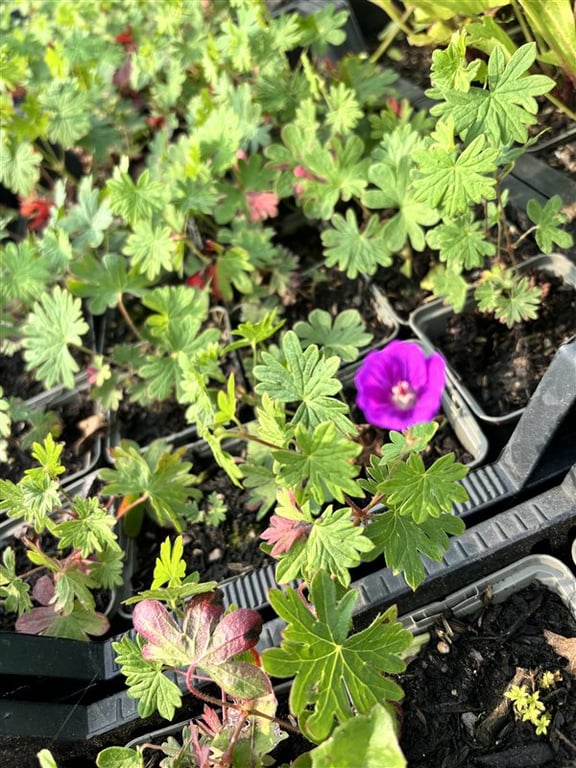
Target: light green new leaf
<point x="152" y="249"/>
<point x="20" y="167"/>
<point x="508" y="295"/>
<point x="68" y="109"/>
<point x="321" y="463"/>
<point x="170" y="568"/>
<point x="336" y="676"/>
<point x="119" y="757"/>
<point x="368" y="740"/>
<point x="503" y="110"/>
<point x="452" y="182"/>
<point x="421" y="493"/>
<point x="343" y="109"/>
<point x="549" y="220"/>
<point x="146" y="681"/>
<point x="90" y="530"/>
<point x="333" y="544"/>
<point x="403" y="541"/>
<point x="396" y="191"/>
<point x="306" y="378"/>
<point x="447" y="285"/>
<point x="24" y="275"/>
<point x="135" y="201"/>
<point x="462" y="243"/>
<point x="54" y="324"/>
<point x="451" y="70"/>
<point x="32" y="500"/>
<point x="104" y="281"/>
<point x="343" y="335"/>
<point x="87" y="221"/>
<point x="356" y="250"/>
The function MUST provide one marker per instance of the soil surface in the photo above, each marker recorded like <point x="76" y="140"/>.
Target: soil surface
<point x="501" y="367"/>
<point x="454" y="714"/>
<point x="81" y="431"/>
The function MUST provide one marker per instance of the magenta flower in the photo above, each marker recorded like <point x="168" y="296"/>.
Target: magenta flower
<point x="400" y="386"/>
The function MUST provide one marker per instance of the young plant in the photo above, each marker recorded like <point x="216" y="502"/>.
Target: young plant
<point x="72" y="546"/>
<point x="73" y="541"/>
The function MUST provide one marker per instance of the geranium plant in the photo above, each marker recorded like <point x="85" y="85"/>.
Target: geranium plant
<point x="156" y="158"/>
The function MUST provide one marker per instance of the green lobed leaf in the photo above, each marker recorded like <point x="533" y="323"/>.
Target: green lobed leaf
<point x="90" y="530"/>
<point x="146" y="681"/>
<point x="462" y="243"/>
<point x="321" y="463"/>
<point x="504" y="109"/>
<point x="368" y="740"/>
<point x="452" y="182"/>
<point x="88" y="220"/>
<point x="104" y="281"/>
<point x="549" y="220"/>
<point x="354" y="250"/>
<point x="333" y="543"/>
<point x="20" y="167"/>
<point x="336" y="675"/>
<point x="305" y="378"/>
<point x="403" y="541"/>
<point x="342" y="335"/>
<point x="421" y="493"/>
<point x="54" y="324"/>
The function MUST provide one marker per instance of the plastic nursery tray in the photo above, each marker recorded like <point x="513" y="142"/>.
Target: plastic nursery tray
<point x="428" y="323"/>
<point x="533" y="569"/>
<point x="518" y="471"/>
<point x="545" y="520"/>
<point x="59" y="396"/>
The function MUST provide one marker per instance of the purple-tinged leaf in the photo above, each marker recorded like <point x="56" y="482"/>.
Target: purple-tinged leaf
<point x="166" y="641"/>
<point x="43" y="590"/>
<point x="37" y="621"/>
<point x="237" y="632"/>
<point x="203" y="613"/>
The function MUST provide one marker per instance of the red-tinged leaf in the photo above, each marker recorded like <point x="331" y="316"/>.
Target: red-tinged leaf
<point x="283" y="533"/>
<point x="37" y="210"/>
<point x="166" y="641"/>
<point x="241" y="680"/>
<point x="201" y="618"/>
<point x="237" y="632"/>
<point x="43" y="590"/>
<point x="262" y="205"/>
<point x="36" y="621"/>
<point x="209" y="722"/>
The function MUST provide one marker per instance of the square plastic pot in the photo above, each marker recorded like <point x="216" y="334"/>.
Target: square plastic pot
<point x="429" y="323"/>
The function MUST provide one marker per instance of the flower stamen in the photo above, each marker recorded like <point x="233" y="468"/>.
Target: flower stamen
<point x="403" y="396"/>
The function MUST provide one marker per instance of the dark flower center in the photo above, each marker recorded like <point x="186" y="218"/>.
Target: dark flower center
<point x="403" y="396"/>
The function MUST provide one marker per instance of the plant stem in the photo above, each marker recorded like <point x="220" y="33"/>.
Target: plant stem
<point x="126" y="316"/>
<point x="238" y="707"/>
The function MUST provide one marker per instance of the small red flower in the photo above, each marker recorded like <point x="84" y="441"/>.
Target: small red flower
<point x="36" y="210"/>
<point x="197" y="280"/>
<point x="156" y="121"/>
<point x="125" y="38"/>
<point x="204" y="277"/>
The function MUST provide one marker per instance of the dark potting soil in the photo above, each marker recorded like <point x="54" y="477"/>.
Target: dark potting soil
<point x="500" y="366"/>
<point x="217" y="553"/>
<point x="81" y="435"/>
<point x="453" y="713"/>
